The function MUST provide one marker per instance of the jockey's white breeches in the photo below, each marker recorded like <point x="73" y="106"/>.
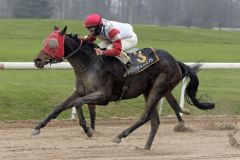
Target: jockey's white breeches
<point x="127" y="44"/>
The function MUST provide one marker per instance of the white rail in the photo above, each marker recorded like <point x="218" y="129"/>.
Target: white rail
<point x="66" y="65"/>
<point x="30" y="65"/>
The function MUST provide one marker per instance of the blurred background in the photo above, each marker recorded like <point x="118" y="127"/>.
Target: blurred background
<point x="200" y="13"/>
<point x="191" y="30"/>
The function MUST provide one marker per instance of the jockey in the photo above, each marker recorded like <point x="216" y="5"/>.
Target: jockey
<point x="116" y="37"/>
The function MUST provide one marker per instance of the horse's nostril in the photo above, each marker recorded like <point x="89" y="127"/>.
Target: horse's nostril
<point x="37" y="62"/>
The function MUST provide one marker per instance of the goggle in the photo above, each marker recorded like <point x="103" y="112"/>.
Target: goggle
<point x="91" y="29"/>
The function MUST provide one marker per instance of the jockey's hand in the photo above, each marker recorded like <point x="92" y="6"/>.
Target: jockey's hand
<point x="98" y="51"/>
<point x="84" y="38"/>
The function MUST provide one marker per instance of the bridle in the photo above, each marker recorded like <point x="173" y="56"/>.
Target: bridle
<point x="54" y="60"/>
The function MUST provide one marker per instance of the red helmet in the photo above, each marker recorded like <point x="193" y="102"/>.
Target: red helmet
<point x="93" y="20"/>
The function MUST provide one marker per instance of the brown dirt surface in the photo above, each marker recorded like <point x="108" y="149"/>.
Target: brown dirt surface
<point x="65" y="140"/>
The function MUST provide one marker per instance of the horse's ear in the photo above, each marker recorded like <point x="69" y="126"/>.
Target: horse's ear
<point x="55" y="28"/>
<point x="63" y="31"/>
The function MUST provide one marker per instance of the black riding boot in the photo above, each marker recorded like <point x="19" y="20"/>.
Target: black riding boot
<point x="130" y="69"/>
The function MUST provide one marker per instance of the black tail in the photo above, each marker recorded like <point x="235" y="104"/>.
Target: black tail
<point x="191" y="90"/>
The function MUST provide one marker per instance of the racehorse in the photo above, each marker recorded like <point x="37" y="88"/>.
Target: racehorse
<point x="99" y="80"/>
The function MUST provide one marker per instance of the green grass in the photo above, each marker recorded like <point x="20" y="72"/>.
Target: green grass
<point x="33" y="94"/>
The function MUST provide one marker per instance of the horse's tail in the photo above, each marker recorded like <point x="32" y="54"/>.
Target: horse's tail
<point x="191" y="89"/>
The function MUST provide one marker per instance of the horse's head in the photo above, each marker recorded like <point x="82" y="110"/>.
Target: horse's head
<point x="53" y="48"/>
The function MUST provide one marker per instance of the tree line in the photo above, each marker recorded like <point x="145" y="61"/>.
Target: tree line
<point x="199" y="13"/>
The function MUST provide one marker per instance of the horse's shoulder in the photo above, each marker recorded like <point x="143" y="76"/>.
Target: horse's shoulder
<point x="113" y="65"/>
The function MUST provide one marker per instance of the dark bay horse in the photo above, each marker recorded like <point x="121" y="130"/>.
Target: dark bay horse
<point x="97" y="85"/>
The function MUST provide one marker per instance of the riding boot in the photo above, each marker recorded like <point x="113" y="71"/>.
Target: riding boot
<point x="130" y="69"/>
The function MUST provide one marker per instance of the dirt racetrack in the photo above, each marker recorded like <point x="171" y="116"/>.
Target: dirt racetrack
<point x="66" y="140"/>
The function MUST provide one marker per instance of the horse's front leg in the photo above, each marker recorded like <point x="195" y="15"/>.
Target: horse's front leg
<point x="92" y="99"/>
<point x="68" y="103"/>
<point x="92" y="113"/>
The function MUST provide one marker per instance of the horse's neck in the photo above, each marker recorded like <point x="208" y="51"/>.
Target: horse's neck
<point x="82" y="60"/>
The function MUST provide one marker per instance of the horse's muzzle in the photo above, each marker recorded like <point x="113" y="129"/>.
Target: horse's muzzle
<point x="39" y="63"/>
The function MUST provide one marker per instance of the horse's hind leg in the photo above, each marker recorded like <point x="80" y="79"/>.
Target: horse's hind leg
<point x="173" y="103"/>
<point x="157" y="92"/>
<point x="155" y="122"/>
<point x="180" y="127"/>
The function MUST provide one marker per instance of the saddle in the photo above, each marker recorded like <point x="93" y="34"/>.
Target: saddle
<point x="140" y="59"/>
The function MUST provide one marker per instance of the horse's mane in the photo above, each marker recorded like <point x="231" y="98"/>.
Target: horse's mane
<point x="73" y="36"/>
<point x="86" y="44"/>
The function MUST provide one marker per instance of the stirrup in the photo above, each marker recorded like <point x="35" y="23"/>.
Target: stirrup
<point x="126" y="74"/>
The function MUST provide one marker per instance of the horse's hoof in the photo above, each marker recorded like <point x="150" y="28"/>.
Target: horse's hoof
<point x="35" y="132"/>
<point x="147" y="147"/>
<point x="90" y="132"/>
<point x="116" y="140"/>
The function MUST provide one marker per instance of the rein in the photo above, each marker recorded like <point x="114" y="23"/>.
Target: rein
<point x="74" y="52"/>
<point x="53" y="60"/>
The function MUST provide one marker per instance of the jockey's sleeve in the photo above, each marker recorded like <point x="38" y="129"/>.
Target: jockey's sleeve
<point x="114" y="36"/>
<point x="91" y="38"/>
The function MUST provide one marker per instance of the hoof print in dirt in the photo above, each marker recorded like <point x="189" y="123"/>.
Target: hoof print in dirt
<point x="221" y="126"/>
<point x="233" y="140"/>
<point x="182" y="128"/>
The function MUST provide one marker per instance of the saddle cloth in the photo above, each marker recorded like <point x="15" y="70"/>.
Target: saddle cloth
<point x="143" y="58"/>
